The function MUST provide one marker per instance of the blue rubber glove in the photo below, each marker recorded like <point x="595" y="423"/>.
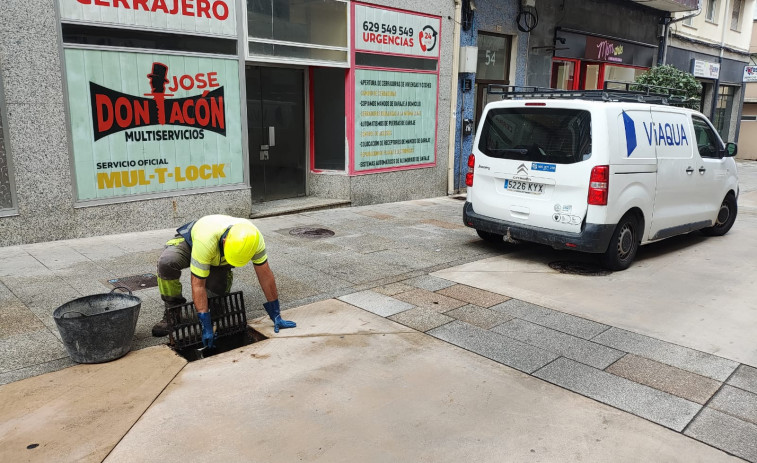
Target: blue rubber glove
<point x="275" y="313"/>
<point x="207" y="329"/>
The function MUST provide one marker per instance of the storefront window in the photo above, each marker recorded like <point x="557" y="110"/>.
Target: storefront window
<point x="7" y="193"/>
<point x="395" y="99"/>
<point x="621" y="73"/>
<point x="563" y="73"/>
<point x="276" y="27"/>
<point x="591" y="76"/>
<point x="722" y="120"/>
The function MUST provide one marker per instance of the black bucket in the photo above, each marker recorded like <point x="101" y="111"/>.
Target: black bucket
<point x="98" y="328"/>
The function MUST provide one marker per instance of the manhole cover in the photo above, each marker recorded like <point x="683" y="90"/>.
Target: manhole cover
<point x="136" y="282"/>
<point x="579" y="268"/>
<point x="309" y="232"/>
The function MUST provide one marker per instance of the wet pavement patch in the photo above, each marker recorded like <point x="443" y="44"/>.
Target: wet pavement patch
<point x="311" y="232"/>
<point x="135" y="282"/>
<point x="579" y="268"/>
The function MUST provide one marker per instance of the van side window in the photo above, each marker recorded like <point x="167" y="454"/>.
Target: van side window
<point x="708" y="143"/>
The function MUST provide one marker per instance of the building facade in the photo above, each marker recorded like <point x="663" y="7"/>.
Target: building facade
<point x="567" y="44"/>
<point x="748" y="127"/>
<point x="125" y="115"/>
<point x="713" y="44"/>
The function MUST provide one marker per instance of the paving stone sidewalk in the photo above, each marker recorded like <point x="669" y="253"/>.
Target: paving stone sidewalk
<point x="706" y="397"/>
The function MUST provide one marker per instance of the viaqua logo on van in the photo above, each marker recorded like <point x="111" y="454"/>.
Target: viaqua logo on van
<point x="661" y="134"/>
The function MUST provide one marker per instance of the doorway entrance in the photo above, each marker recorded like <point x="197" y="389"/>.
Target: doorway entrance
<point x="276" y="131"/>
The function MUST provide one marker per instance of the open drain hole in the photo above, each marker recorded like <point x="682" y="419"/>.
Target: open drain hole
<point x="221" y="345"/>
<point x="310" y="232"/>
<point x="579" y="268"/>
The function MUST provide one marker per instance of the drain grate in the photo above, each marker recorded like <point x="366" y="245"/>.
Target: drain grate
<point x="579" y="268"/>
<point x="310" y="232"/>
<point x="227" y="312"/>
<point x="136" y="282"/>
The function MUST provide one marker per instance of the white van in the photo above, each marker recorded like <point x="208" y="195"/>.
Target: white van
<point x="598" y="176"/>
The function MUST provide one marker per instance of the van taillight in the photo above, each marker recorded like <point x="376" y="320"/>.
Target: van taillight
<point x="598" y="185"/>
<point x="469" y="175"/>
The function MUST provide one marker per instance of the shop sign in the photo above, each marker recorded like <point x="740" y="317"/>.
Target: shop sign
<point x="395" y="120"/>
<point x="750" y="73"/>
<point x="396" y="32"/>
<point x="705" y="69"/>
<point x="600" y="49"/>
<point x="148" y="123"/>
<point x="576" y="45"/>
<point x="210" y="17"/>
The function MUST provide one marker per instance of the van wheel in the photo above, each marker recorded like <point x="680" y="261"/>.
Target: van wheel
<point x="726" y="217"/>
<point x="490" y="237"/>
<point x="623" y="245"/>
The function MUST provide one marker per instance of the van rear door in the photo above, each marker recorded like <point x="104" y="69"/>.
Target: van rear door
<point x="530" y="165"/>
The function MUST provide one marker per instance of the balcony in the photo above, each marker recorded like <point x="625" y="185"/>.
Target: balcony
<point x="672" y="6"/>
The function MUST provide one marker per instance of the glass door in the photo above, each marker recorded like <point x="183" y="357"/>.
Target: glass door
<point x="276" y="128"/>
<point x="493" y="67"/>
<point x="565" y="75"/>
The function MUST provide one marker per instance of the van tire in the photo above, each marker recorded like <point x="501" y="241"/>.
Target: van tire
<point x="490" y="237"/>
<point x="623" y="244"/>
<point x="725" y="219"/>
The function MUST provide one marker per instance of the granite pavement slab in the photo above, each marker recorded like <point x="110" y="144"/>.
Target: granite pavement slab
<point x="376" y="303"/>
<point x="725" y="432"/>
<point x="681" y="383"/>
<point x="421" y="319"/>
<point x="657" y="406"/>
<point x="572" y="347"/>
<point x="479" y="316"/>
<point x="494" y="346"/>
<point x="473" y="295"/>
<point x="429" y="283"/>
<point x="392" y="288"/>
<point x="429" y="300"/>
<point x="701" y="363"/>
<point x="745" y="378"/>
<point x="736" y="402"/>
<point x="31" y="348"/>
<point x="549" y="318"/>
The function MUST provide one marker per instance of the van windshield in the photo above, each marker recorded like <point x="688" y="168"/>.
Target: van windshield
<point x="559" y="136"/>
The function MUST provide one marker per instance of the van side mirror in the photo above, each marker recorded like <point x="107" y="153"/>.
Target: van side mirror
<point x="731" y="149"/>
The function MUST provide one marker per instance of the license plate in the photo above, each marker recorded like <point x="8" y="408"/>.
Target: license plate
<point x="525" y="187"/>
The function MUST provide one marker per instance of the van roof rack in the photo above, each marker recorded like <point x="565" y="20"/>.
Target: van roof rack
<point x="611" y="91"/>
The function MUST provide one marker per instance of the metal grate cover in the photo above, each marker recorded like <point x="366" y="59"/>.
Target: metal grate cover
<point x="136" y="282"/>
<point x="309" y="232"/>
<point x="227" y="312"/>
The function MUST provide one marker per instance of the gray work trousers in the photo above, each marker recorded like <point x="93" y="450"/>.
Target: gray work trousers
<point x="174" y="259"/>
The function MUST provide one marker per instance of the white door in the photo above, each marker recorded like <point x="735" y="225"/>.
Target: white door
<point x="679" y="184"/>
<point x="712" y="169"/>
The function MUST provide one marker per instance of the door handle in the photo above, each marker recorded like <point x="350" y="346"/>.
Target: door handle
<point x="689" y="170"/>
<point x="702" y="170"/>
<point x="271" y="136"/>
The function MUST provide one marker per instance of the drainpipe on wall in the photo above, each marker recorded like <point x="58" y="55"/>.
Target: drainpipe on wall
<point x="716" y="90"/>
<point x="453" y="98"/>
